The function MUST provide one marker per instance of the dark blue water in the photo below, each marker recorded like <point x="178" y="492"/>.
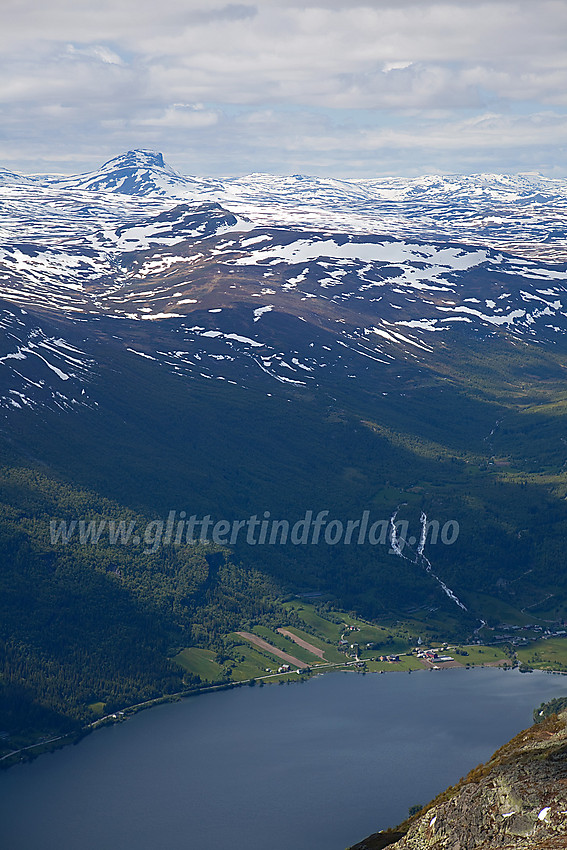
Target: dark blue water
<point x="315" y="766"/>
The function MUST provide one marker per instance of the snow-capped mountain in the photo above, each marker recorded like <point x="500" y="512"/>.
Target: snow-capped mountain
<point x="138" y="172"/>
<point x="521" y="213"/>
<point x="275" y="279"/>
<point x="12" y="178"/>
<point x="183" y="223"/>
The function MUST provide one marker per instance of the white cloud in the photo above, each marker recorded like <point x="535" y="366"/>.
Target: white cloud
<point x="273" y="74"/>
<point x="95" y="51"/>
<point x="181" y="116"/>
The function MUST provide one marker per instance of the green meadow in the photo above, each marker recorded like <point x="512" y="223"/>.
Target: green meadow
<point x="200" y="662"/>
<point x="545" y="654"/>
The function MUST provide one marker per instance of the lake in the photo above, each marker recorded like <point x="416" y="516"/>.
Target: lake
<point x="312" y="766"/>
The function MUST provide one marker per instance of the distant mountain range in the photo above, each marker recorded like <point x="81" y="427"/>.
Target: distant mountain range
<point x="377" y="271"/>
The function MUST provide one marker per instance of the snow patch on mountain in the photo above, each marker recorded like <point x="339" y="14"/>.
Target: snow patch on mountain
<point x="39" y="370"/>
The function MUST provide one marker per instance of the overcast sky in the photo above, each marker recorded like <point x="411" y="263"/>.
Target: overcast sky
<point x="331" y="87"/>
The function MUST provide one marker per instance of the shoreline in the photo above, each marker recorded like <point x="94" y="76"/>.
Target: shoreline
<point x="10" y="759"/>
<point x="27" y="754"/>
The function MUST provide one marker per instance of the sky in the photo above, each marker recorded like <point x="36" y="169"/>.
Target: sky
<point x="330" y="88"/>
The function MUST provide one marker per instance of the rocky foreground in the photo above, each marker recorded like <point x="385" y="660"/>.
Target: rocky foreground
<point x="516" y="800"/>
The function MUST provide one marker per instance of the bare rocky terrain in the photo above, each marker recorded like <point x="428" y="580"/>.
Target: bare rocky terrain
<point x="516" y="801"/>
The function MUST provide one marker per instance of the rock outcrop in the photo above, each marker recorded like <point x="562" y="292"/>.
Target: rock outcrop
<point x="516" y="800"/>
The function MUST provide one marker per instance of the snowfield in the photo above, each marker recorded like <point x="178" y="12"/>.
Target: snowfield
<point x="350" y="275"/>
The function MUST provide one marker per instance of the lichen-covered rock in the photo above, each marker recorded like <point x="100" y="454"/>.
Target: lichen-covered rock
<point x="517" y="800"/>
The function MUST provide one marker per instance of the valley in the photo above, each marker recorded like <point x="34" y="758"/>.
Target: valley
<point x="262" y="349"/>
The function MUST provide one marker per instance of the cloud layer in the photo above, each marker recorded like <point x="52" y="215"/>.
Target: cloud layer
<point x="406" y="87"/>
